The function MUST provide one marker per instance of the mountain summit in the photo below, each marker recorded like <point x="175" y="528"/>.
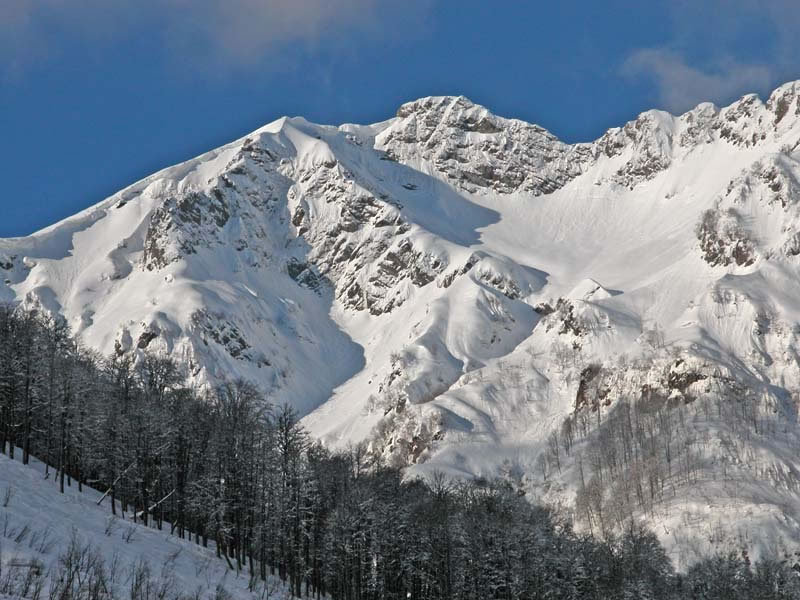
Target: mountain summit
<point x="611" y="325"/>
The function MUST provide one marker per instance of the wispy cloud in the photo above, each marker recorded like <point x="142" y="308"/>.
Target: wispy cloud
<point x="719" y="50"/>
<point x="226" y="32"/>
<point x="242" y="31"/>
<point x="681" y="86"/>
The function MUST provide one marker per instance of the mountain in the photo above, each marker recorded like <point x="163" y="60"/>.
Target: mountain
<point x="612" y="325"/>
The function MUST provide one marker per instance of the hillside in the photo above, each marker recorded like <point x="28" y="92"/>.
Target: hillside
<point x="43" y="530"/>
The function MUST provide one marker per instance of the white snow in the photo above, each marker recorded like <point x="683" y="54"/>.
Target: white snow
<point x="37" y="525"/>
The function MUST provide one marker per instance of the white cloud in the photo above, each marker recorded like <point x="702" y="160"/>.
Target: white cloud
<point x="681" y="86"/>
<point x="244" y="30"/>
<point x="719" y="50"/>
<point x="227" y="32"/>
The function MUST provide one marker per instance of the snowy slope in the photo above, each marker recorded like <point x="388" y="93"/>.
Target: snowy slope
<point x="39" y="526"/>
<point x="450" y="286"/>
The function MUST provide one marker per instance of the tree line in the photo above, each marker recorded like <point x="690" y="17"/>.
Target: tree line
<point x="224" y="468"/>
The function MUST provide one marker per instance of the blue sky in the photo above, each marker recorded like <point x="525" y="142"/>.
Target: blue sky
<point x="95" y="94"/>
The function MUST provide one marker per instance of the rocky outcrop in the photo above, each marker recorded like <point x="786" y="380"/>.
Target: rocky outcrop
<point x="477" y="151"/>
<point x="223" y="331"/>
<point x="182" y="224"/>
<point x="723" y="239"/>
<point x="646" y="143"/>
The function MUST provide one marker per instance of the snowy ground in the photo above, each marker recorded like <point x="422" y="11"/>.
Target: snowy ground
<point x="38" y="525"/>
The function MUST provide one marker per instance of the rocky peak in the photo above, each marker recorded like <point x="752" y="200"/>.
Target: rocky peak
<point x="649" y="144"/>
<point x="748" y="121"/>
<point x="454" y="111"/>
<point x="784" y="103"/>
<point x="477" y="151"/>
<point x="646" y="143"/>
<point x="744" y="122"/>
<point x="698" y="124"/>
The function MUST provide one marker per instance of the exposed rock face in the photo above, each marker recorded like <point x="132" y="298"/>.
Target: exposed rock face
<point x="478" y="151"/>
<point x="360" y="245"/>
<point x="195" y="219"/>
<point x="647" y="143"/>
<point x="723" y="240"/>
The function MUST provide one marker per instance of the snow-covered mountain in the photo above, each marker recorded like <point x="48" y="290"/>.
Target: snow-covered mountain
<point x="465" y="292"/>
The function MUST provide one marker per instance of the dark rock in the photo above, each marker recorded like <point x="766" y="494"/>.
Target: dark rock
<point x="145" y="338"/>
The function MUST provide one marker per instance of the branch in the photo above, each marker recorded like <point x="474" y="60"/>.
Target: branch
<point x="156" y="505"/>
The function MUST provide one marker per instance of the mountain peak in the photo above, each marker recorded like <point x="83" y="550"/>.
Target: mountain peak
<point x="454" y="111"/>
<point x="476" y="150"/>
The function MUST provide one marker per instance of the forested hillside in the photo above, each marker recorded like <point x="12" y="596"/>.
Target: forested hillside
<point x="222" y="469"/>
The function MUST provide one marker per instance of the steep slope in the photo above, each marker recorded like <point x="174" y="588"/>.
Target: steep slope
<point x="466" y="292"/>
<point x="47" y="536"/>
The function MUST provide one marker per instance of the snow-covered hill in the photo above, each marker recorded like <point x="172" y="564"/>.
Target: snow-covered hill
<point x="460" y="290"/>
